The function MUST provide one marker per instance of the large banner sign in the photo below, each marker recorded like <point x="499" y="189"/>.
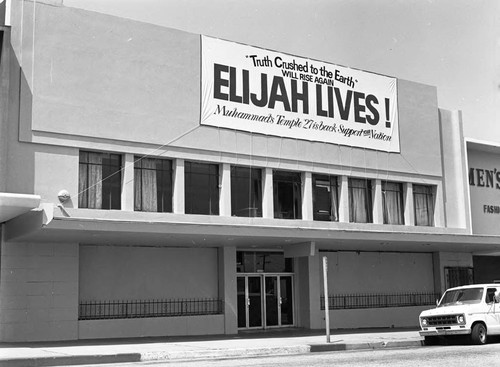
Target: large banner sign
<point x="261" y="91"/>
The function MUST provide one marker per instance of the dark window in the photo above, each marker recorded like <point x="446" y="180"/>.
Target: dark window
<point x="153" y="185"/>
<point x="423" y="201"/>
<point x="458" y="276"/>
<point x="360" y="201"/>
<point x="1" y="44"/>
<point x="202" y="188"/>
<point x="490" y="295"/>
<point x="99" y="181"/>
<point x="392" y="201"/>
<point x="325" y="198"/>
<point x="287" y="195"/>
<point x="262" y="262"/>
<point x="246" y="192"/>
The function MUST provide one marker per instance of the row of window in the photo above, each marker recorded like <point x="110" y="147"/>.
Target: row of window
<point x="100" y="188"/>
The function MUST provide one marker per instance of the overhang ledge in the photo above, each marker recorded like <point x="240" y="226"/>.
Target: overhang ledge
<point x="14" y="205"/>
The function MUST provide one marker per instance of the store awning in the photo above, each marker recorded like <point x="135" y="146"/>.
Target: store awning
<point x="14" y="205"/>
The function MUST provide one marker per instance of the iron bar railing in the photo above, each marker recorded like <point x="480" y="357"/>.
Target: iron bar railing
<point x="354" y="301"/>
<point x="100" y="310"/>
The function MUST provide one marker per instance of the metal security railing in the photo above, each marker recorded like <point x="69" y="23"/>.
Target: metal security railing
<point x="101" y="310"/>
<point x="355" y="301"/>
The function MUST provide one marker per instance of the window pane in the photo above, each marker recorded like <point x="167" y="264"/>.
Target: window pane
<point x="202" y="188"/>
<point x="246" y="192"/>
<point x="423" y="201"/>
<point x="287" y="195"/>
<point x="153" y="185"/>
<point x="392" y="201"/>
<point x="111" y="187"/>
<point x="262" y="261"/>
<point x="99" y="180"/>
<point x="360" y="201"/>
<point x="325" y="198"/>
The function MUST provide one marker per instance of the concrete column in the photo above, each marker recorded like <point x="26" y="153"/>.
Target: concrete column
<point x="178" y="201"/>
<point x="225" y="190"/>
<point x="378" y="210"/>
<point x="409" y="206"/>
<point x="308" y="292"/>
<point x="307" y="196"/>
<point x="267" y="194"/>
<point x="344" y="199"/>
<point x="127" y="199"/>
<point x="455" y="183"/>
<point x="227" y="288"/>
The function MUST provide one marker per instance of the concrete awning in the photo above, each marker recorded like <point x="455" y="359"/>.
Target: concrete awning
<point x="298" y="238"/>
<point x="14" y="205"/>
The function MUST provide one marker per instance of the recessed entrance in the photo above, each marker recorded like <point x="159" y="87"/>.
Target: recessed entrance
<point x="265" y="301"/>
<point x="265" y="290"/>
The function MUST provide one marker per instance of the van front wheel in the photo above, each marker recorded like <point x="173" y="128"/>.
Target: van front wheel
<point x="478" y="335"/>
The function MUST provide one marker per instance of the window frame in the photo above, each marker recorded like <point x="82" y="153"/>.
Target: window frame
<point x="110" y="181"/>
<point x="429" y="198"/>
<point x="212" y="173"/>
<point x="164" y="183"/>
<point x="292" y="179"/>
<point x="333" y="189"/>
<point x="400" y="200"/>
<point x="253" y="207"/>
<point x="368" y="207"/>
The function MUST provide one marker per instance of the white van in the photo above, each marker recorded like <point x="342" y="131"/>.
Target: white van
<point x="472" y="309"/>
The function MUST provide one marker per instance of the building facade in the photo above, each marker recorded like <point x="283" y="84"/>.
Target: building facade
<point x="155" y="182"/>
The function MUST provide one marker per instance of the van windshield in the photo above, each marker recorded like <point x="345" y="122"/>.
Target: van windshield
<point x="462" y="296"/>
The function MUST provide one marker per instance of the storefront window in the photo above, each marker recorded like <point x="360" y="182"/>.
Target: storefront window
<point x="392" y="200"/>
<point x="325" y="198"/>
<point x="201" y="188"/>
<point x="360" y="201"/>
<point x="99" y="181"/>
<point x="246" y="192"/>
<point x="153" y="185"/>
<point x="287" y="195"/>
<point x="423" y="201"/>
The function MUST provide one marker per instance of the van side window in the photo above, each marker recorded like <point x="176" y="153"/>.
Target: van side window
<point x="490" y="295"/>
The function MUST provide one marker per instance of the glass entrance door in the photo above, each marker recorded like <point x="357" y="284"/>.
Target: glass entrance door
<point x="265" y="301"/>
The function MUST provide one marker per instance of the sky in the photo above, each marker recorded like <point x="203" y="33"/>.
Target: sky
<point x="451" y="44"/>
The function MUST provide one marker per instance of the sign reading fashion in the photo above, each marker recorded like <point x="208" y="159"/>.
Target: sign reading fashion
<point x="256" y="90"/>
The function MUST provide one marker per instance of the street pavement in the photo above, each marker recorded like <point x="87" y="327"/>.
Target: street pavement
<point x="245" y="344"/>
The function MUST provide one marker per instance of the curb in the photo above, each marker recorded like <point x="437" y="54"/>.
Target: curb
<point x="225" y="353"/>
<point x="363" y="346"/>
<point x="206" y="354"/>
<point x="70" y="360"/>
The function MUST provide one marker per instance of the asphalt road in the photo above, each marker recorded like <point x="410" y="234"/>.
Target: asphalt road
<point x="435" y="356"/>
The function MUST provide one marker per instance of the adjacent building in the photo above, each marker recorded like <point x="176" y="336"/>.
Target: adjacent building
<point x="156" y="182"/>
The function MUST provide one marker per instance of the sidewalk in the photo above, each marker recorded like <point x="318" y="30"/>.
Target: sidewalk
<point x="247" y="344"/>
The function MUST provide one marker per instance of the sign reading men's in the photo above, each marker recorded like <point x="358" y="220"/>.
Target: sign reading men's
<point x="256" y="90"/>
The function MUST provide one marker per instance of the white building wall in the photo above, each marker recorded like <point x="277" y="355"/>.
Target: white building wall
<point x="352" y="272"/>
<point x="118" y="273"/>
<point x="38" y="291"/>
